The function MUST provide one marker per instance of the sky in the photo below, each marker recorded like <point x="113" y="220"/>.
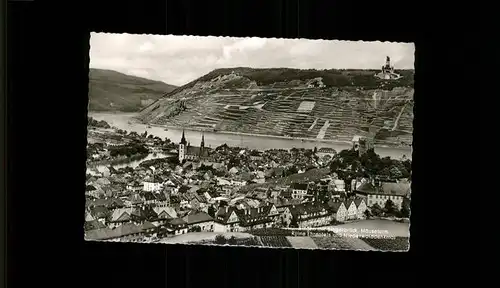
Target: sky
<point x="177" y="60"/>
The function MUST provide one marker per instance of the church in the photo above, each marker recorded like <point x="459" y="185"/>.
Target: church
<point x="192" y="153"/>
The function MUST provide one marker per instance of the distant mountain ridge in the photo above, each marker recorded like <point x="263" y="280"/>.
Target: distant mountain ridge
<point x="323" y="104"/>
<point x="118" y="92"/>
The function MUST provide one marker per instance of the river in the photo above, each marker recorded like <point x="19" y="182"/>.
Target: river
<point x="127" y="122"/>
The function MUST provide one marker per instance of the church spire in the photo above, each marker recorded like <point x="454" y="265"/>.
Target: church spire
<point x="203" y="139"/>
<point x="183" y="139"/>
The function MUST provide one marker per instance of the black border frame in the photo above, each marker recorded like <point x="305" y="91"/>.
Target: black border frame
<point x="47" y="67"/>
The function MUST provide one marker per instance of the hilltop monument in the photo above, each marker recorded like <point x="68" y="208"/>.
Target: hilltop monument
<point x="387" y="72"/>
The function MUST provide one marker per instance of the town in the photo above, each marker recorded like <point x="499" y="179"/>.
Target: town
<point x="183" y="188"/>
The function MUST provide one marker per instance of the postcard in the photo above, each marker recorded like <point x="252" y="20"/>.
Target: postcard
<point x="271" y="143"/>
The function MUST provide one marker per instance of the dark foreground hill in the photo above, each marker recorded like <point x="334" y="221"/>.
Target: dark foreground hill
<point x="322" y="104"/>
<point x="113" y="91"/>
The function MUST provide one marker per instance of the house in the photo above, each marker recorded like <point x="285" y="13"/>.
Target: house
<point x="337" y="185"/>
<point x="361" y="207"/>
<point x="162" y="199"/>
<point x="223" y="182"/>
<point x="149" y="198"/>
<point x="325" y="151"/>
<point x="338" y="209"/>
<point x="226" y="220"/>
<point x="93" y="225"/>
<point x="352" y="211"/>
<point x="357" y="182"/>
<point x="299" y="190"/>
<point x="119" y="217"/>
<point x="238" y="183"/>
<point x="380" y="193"/>
<point x="285" y="216"/>
<point x="136" y="200"/>
<point x="89" y="217"/>
<point x="140" y="215"/>
<point x="177" y="226"/>
<point x="200" y="219"/>
<point x="100" y="234"/>
<point x="135" y="187"/>
<point x="257" y="218"/>
<point x="149" y="229"/>
<point x="109" y="203"/>
<point x="164" y="214"/>
<point x="100" y="213"/>
<point x="256" y="157"/>
<point x="312" y="214"/>
<point x="152" y="186"/>
<point x="126" y="231"/>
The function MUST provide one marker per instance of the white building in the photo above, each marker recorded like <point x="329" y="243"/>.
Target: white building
<point x="379" y="194"/>
<point x="299" y="190"/>
<point x="152" y="186"/>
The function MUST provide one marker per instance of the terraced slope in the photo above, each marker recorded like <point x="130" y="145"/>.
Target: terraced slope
<point x="290" y="102"/>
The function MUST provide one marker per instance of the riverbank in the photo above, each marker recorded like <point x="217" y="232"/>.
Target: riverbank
<point x="129" y="122"/>
<point x="313" y="140"/>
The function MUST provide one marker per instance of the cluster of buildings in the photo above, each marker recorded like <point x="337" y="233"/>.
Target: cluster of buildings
<point x="207" y="191"/>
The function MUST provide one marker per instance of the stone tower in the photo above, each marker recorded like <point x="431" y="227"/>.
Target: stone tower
<point x="182" y="147"/>
<point x="202" y="145"/>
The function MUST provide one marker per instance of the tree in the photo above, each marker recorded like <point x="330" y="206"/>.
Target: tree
<point x="385" y="172"/>
<point x="389" y="207"/>
<point x="308" y="153"/>
<point x="405" y="210"/>
<point x="292" y="170"/>
<point x="407" y="164"/>
<point x="315" y="150"/>
<point x="367" y="214"/>
<point x="293" y="223"/>
<point x="232" y="241"/>
<point x="404" y="172"/>
<point x="395" y="172"/>
<point x="376" y="210"/>
<point x="219" y="239"/>
<point x="211" y="211"/>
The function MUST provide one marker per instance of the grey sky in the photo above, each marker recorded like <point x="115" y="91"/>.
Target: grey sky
<point x="177" y="60"/>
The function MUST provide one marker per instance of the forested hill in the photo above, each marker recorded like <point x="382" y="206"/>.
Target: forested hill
<point x="114" y="91"/>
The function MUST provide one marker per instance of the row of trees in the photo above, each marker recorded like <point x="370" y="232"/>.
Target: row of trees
<point x="221" y="240"/>
<point x="128" y="150"/>
<point x="389" y="209"/>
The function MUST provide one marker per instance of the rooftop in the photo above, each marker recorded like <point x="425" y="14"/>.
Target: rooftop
<point x="198" y="217"/>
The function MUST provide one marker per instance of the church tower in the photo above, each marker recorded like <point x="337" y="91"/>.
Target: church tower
<point x="182" y="147"/>
<point x="202" y="145"/>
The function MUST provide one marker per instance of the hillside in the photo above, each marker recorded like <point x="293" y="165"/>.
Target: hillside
<point x="113" y="91"/>
<point x="323" y="104"/>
